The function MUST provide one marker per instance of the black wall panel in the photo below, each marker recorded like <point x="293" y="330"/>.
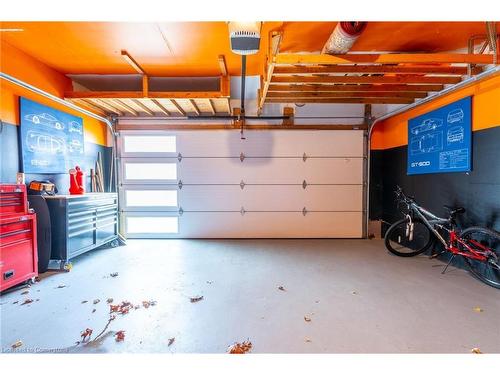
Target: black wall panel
<point x="10" y="161"/>
<point x="477" y="191"/>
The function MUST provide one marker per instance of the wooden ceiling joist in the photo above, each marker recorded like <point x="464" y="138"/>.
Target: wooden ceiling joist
<point x="372" y="69"/>
<point x="139" y="94"/>
<point x="160" y="107"/>
<point x="104" y="105"/>
<point x="385" y="58"/>
<point x="343" y="100"/>
<point x="354" y="88"/>
<point x="210" y="105"/>
<point x="195" y="107"/>
<point x="90" y="106"/>
<point x="360" y="94"/>
<point x="124" y="107"/>
<point x="143" y="107"/>
<point x="274" y="45"/>
<point x="130" y="60"/>
<point x="406" y="79"/>
<point x="179" y="108"/>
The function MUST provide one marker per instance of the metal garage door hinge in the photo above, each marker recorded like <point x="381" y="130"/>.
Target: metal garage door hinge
<point x="242" y="157"/>
<point x="181" y="211"/>
<point x="179" y="157"/>
<point x="304" y="211"/>
<point x="242" y="211"/>
<point x="304" y="184"/>
<point x="180" y="184"/>
<point x="242" y="184"/>
<point x="304" y="157"/>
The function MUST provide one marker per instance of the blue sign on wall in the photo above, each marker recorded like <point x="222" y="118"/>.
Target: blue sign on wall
<point x="440" y="140"/>
<point x="51" y="140"/>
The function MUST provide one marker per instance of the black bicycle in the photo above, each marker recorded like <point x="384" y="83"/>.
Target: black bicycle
<point x="420" y="229"/>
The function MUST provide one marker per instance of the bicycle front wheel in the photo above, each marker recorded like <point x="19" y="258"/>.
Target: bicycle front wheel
<point x="483" y="241"/>
<point x="405" y="241"/>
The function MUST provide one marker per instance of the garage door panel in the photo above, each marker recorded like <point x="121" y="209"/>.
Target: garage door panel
<point x="269" y="225"/>
<point x="271" y="171"/>
<point x="271" y="198"/>
<point x="270" y="143"/>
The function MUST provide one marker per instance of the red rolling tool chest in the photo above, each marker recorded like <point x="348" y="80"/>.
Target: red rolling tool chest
<point x="18" y="246"/>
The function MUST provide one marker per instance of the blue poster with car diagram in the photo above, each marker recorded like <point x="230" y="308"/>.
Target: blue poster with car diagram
<point x="51" y="140"/>
<point x="440" y="140"/>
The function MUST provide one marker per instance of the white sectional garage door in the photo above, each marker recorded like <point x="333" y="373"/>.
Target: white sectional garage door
<point x="212" y="184"/>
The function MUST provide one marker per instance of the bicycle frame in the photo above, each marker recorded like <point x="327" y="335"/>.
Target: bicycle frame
<point x="432" y="222"/>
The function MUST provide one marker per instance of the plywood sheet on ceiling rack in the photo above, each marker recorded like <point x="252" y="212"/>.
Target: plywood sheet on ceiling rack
<point x="133" y="107"/>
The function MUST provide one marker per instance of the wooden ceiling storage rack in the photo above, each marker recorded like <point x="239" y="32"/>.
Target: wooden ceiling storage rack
<point x="371" y="78"/>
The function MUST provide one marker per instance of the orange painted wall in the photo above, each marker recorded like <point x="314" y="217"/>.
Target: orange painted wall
<point x="393" y="132"/>
<point x="26" y="68"/>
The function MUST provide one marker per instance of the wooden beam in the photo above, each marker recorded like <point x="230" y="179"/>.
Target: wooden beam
<point x="386" y="58"/>
<point x="370" y="69"/>
<point x="225" y="88"/>
<point x="222" y="65"/>
<point x="354" y="88"/>
<point x="196" y="109"/>
<point x="139" y="94"/>
<point x="105" y="106"/>
<point x="145" y="86"/>
<point x="123" y="106"/>
<point x="274" y="45"/>
<point x="357" y="94"/>
<point x="89" y="106"/>
<point x="146" y="126"/>
<point x="288" y="111"/>
<point x="365" y="79"/>
<point x="344" y="100"/>
<point x="179" y="108"/>
<point x="160" y="107"/>
<point x="130" y="60"/>
<point x="143" y="107"/>
<point x="211" y="106"/>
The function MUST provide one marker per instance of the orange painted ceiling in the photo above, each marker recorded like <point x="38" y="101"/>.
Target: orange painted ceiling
<point x="192" y="48"/>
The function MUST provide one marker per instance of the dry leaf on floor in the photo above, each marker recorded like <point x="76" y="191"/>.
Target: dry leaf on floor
<point x="281" y="288"/>
<point x="476" y="351"/>
<point x="109" y="300"/>
<point x="61" y="286"/>
<point x="209" y="282"/>
<point x="25" y="292"/>
<point x="96" y="301"/>
<point x="307" y="319"/>
<point x="196" y="299"/>
<point x="93" y="311"/>
<point x="15" y="302"/>
<point x="17" y="344"/>
<point x="84" y="301"/>
<point x="120" y="336"/>
<point x="26" y="301"/>
<point x="308" y="340"/>
<point x="240" y="348"/>
<point x="354" y="292"/>
<point x="113" y="274"/>
<point x="171" y="341"/>
<point x="478" y="309"/>
<point x="146" y="304"/>
<point x="137" y="307"/>
<point x="86" y="334"/>
<point x="122" y="308"/>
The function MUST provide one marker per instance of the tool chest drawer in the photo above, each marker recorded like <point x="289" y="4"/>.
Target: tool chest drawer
<point x="82" y="223"/>
<point x="13" y="199"/>
<point x="18" y="249"/>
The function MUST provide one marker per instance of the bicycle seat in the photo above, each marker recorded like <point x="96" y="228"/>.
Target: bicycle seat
<point x="454" y="210"/>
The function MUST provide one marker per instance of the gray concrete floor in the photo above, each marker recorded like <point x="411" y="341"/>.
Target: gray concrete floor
<point x="359" y="298"/>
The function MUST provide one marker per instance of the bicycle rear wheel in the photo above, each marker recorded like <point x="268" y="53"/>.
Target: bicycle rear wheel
<point x="481" y="240"/>
<point x="400" y="242"/>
